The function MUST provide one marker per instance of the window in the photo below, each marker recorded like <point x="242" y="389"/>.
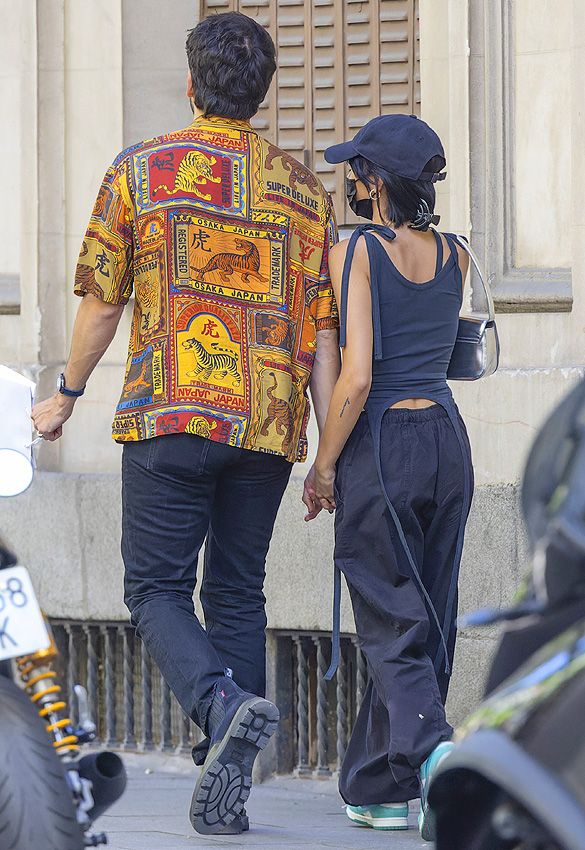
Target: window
<point x="340" y="63"/>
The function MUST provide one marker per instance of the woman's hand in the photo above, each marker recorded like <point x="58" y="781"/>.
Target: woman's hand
<point x="324" y="480"/>
<point x="318" y="491"/>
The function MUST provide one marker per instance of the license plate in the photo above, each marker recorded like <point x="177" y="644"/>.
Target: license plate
<point x="22" y="626"/>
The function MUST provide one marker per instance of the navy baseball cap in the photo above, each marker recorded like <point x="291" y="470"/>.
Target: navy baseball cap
<point x="402" y="144"/>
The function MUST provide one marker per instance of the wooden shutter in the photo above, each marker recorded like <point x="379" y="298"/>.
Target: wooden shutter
<point x="327" y="92"/>
<point x="340" y="63"/>
<point x="399" y="57"/>
<point x="264" y="12"/>
<point x="293" y="78"/>
<point x="215" y="7"/>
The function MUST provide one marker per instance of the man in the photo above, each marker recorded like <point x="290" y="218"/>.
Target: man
<point x="224" y="240"/>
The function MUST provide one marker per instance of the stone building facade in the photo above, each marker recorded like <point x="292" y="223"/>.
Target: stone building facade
<point x="502" y="81"/>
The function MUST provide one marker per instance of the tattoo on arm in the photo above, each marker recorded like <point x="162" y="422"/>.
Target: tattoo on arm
<point x="345" y="404"/>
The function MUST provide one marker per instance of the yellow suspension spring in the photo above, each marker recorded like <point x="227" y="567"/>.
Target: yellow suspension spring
<point x="39" y="682"/>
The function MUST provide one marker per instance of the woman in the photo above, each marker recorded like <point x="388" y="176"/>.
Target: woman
<point x="399" y="473"/>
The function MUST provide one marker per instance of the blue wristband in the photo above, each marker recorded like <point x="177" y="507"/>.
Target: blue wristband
<point x="67" y="392"/>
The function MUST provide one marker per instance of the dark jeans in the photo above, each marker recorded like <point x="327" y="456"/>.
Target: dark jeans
<point x="178" y="490"/>
<point x="402" y="716"/>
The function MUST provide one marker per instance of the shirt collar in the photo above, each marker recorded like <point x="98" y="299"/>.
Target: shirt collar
<point x="218" y="121"/>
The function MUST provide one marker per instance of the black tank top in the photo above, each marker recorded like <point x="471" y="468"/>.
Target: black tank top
<point x="415" y="324"/>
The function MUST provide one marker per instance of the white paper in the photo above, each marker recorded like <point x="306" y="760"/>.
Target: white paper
<point x="16" y="398"/>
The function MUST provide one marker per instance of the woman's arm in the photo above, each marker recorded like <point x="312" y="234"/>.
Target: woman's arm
<point x="325" y="373"/>
<point x="324" y="376"/>
<point x="353" y="384"/>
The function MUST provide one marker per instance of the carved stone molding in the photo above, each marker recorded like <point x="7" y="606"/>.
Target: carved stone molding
<point x="492" y="128"/>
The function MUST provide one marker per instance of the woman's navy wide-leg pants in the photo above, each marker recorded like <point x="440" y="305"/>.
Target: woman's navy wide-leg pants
<point x="402" y="716"/>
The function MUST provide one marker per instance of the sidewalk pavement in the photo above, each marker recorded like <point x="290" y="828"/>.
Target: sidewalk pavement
<point x="284" y="812"/>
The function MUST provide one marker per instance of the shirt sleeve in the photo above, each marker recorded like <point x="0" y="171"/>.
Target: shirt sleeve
<point x="324" y="306"/>
<point x="104" y="267"/>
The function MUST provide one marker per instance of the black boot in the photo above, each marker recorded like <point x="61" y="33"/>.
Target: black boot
<point x="236" y="827"/>
<point x="199" y="752"/>
<point x="241" y="823"/>
<point x="239" y="726"/>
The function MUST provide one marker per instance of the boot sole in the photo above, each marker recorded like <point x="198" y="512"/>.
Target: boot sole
<point x="225" y="782"/>
<point x="236" y="827"/>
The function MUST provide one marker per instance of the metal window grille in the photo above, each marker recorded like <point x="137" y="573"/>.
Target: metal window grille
<point x="135" y="710"/>
<point x="324" y="712"/>
<point x="129" y="700"/>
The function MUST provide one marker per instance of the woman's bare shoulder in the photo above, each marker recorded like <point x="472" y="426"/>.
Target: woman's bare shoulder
<point x="338" y="252"/>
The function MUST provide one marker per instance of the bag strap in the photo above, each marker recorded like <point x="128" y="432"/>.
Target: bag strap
<point x="463" y="243"/>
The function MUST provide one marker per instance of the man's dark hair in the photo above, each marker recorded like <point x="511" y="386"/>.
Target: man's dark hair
<point x="404" y="195"/>
<point x="232" y="60"/>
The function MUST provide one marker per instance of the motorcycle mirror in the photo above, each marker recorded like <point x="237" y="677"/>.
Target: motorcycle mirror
<point x="16" y="472"/>
<point x="487" y="616"/>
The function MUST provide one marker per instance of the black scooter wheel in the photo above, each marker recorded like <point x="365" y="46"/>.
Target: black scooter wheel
<point x="36" y="805"/>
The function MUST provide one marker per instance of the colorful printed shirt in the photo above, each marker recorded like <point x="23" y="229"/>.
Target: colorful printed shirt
<point x="224" y="240"/>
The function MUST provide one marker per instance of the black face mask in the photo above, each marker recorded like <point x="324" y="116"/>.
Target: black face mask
<point x="362" y="208"/>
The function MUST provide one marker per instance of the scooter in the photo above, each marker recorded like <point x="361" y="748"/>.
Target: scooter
<point x="50" y="794"/>
<point x="516" y="777"/>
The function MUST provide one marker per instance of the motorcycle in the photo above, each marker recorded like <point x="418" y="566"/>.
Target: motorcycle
<point x="516" y="777"/>
<point x="50" y="794"/>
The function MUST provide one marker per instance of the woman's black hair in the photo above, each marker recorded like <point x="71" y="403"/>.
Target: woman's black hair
<point x="405" y="198"/>
<point x="232" y="60"/>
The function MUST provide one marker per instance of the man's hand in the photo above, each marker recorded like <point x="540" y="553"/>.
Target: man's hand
<point x="48" y="416"/>
<point x="309" y="497"/>
<point x="323" y="483"/>
<point x="94" y="329"/>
